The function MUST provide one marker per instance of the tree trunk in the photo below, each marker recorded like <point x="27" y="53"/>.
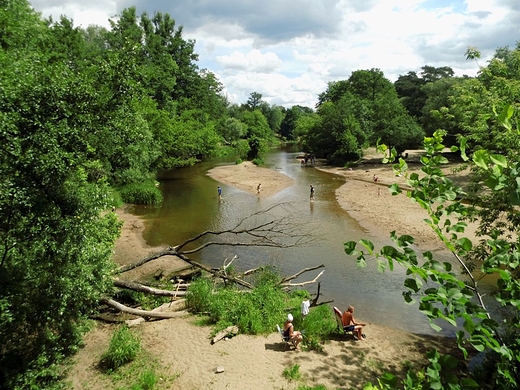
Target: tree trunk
<point x="141" y="313"/>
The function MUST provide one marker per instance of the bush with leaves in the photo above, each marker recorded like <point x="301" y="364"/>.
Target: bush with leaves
<point x="259" y="310"/>
<point x="443" y="293"/>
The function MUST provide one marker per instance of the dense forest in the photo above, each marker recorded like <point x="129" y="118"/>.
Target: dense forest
<point x="88" y="116"/>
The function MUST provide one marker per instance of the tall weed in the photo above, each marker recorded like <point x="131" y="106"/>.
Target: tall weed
<point x="123" y="348"/>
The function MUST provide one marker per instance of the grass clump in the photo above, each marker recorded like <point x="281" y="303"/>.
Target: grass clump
<point x="317" y="326"/>
<point x="292" y="373"/>
<point x="123" y="349"/>
<point x="255" y="312"/>
<point x="141" y="193"/>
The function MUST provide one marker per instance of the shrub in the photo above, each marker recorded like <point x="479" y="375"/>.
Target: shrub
<point x="292" y="373"/>
<point x="258" y="161"/>
<point x="238" y="161"/>
<point x="123" y="348"/>
<point x="141" y="193"/>
<point x="199" y="295"/>
<point x="317" y="326"/>
<point x="255" y="312"/>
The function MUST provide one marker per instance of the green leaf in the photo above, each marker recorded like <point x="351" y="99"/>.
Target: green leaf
<point x="463" y="142"/>
<point x="480" y="158"/>
<point x="498" y="160"/>
<point x="367" y="244"/>
<point x="413" y="284"/>
<point x="395" y="189"/>
<point x="465" y="243"/>
<point x="350" y="247"/>
<point x="469" y="325"/>
<point x="448" y="361"/>
<point x="468" y="383"/>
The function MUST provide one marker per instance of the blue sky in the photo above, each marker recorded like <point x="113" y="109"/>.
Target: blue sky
<point x="288" y="50"/>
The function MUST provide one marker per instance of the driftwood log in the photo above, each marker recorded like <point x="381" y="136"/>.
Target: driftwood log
<point x="142" y="313"/>
<point x="229" y="331"/>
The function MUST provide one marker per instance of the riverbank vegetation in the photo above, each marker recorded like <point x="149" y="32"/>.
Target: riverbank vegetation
<point x="88" y="116"/>
<point x="259" y="310"/>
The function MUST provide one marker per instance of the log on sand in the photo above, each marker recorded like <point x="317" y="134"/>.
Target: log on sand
<point x="230" y="330"/>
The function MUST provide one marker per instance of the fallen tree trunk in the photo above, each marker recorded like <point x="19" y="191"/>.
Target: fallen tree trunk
<point x="148" y="290"/>
<point x="141" y="313"/>
<point x="230" y="330"/>
<point x="171" y="306"/>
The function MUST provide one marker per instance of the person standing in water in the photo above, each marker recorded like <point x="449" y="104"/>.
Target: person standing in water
<point x="312" y="193"/>
<point x="219" y="193"/>
<point x="258" y="188"/>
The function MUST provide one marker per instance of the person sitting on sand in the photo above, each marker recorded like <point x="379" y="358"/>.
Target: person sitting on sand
<point x="288" y="331"/>
<point x="350" y="323"/>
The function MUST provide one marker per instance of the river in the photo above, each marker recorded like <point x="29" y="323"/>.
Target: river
<point x="190" y="206"/>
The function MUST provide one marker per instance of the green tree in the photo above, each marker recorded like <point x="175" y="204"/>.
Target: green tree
<point x="444" y="293"/>
<point x="337" y="135"/>
<point x="55" y="243"/>
<point x="233" y="130"/>
<point x="377" y="116"/>
<point x="409" y="89"/>
<point x="290" y="119"/>
<point x="254" y="101"/>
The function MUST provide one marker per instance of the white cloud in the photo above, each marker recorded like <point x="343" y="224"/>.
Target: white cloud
<point x="289" y="49"/>
<point x="253" y="61"/>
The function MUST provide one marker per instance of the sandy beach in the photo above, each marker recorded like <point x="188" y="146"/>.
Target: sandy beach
<point x="183" y="349"/>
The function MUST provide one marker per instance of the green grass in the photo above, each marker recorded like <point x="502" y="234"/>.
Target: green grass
<point x="123" y="349"/>
<point x="292" y="373"/>
<point x="260" y="309"/>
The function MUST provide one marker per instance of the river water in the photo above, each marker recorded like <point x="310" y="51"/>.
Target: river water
<point x="191" y="206"/>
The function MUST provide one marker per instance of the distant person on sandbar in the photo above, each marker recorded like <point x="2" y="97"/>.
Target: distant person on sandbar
<point x="351" y="325"/>
<point x="258" y="187"/>
<point x="312" y="193"/>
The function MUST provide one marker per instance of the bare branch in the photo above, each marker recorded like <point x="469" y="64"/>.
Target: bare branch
<point x="303" y="283"/>
<point x="217" y="272"/>
<point x="258" y="229"/>
<point x="148" y="290"/>
<point x="166" y="252"/>
<point x="287" y="278"/>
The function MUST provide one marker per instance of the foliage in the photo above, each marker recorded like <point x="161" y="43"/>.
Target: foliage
<point x="143" y="373"/>
<point x="259" y="310"/>
<point x="123" y="348"/>
<point x="147" y="381"/>
<point x="258" y="161"/>
<point x="318" y="325"/>
<point x="355" y="113"/>
<point x="445" y="294"/>
<point x="290" y="120"/>
<point x="292" y="373"/>
<point x="141" y="193"/>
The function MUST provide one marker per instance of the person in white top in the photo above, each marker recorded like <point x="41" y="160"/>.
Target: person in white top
<point x="305" y="308"/>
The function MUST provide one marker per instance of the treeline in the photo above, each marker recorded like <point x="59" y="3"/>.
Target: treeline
<point x="88" y="116"/>
<point x="367" y="108"/>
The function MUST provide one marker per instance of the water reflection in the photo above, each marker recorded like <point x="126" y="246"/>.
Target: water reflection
<point x="191" y="205"/>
